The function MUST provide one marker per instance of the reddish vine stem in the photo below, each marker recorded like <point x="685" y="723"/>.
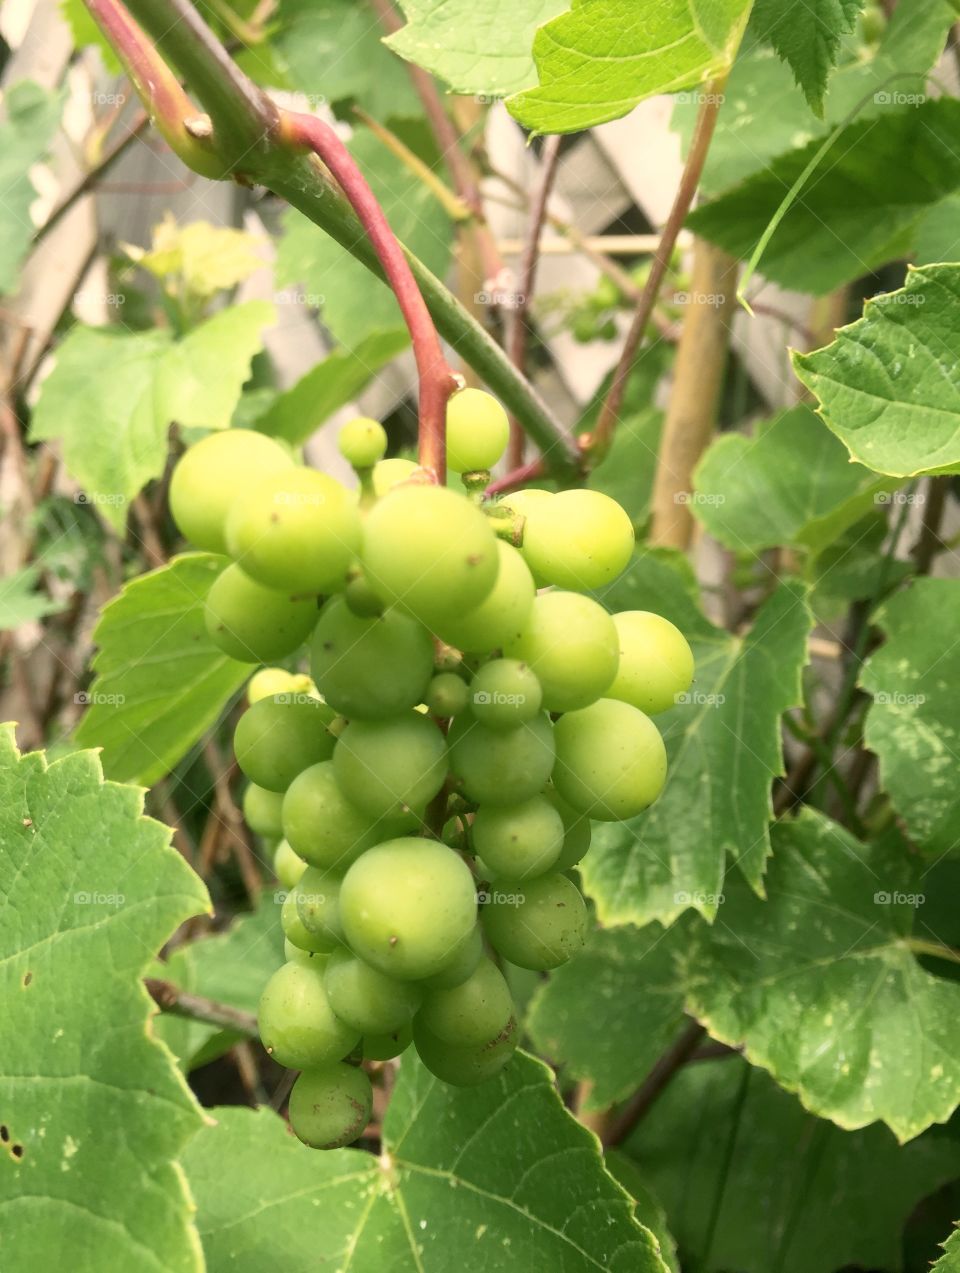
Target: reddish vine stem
<point x="524" y="473"/>
<point x="170" y="998"/>
<point x="437" y="379"/>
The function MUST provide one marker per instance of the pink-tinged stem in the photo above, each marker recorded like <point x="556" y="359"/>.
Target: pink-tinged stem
<point x="518" y="476"/>
<point x="437" y="380"/>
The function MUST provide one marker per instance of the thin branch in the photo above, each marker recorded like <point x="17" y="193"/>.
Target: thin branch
<point x="657" y="1081"/>
<point x="170" y="998"/>
<point x="929" y="542"/>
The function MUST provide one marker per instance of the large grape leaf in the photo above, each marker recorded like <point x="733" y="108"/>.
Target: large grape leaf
<point x="791" y="483"/>
<point x="798" y="1195"/>
<point x="949" y="1262"/>
<point x="723" y="749"/>
<point x="32" y="117"/>
<point x="20" y="602"/>
<point x="821" y="986"/>
<point x="807" y="37"/>
<point x="626" y="473"/>
<point x="480" y="49"/>
<point x="501" y="1171"/>
<point x="849" y="218"/>
<point x="113" y="394"/>
<point x="597" y="62"/>
<point x="160" y="681"/>
<point x="914" y="722"/>
<point x="888" y="385"/>
<point x="93" y="1111"/>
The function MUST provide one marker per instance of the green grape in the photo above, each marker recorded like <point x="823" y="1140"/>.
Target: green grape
<point x="262" y="811"/>
<point x="579" y="539"/>
<point x="390" y="473"/>
<point x="213" y="473"/>
<point x="504" y="694"/>
<point x="365" y="998"/>
<point x="503" y="768"/>
<point x="406" y="906"/>
<point x="279" y="737"/>
<point x="478" y="430"/>
<point x="390" y="767"/>
<point x="467" y="954"/>
<point x="287" y="865"/>
<point x="520" y="502"/>
<point x="465" y="1066"/>
<point x="384" y="1047"/>
<point x="362" y="442"/>
<point x="296" y="932"/>
<point x="254" y="624"/>
<point x="607" y="294"/>
<point x="370" y="668"/>
<point x="276" y="680"/>
<point x="656" y="663"/>
<point x="584" y="327"/>
<point x="501" y="615"/>
<point x="447" y="695"/>
<point x="294" y="954"/>
<point x="297" y="1024"/>
<point x="296" y="531"/>
<point x="431" y="551"/>
<point x="330" y="1106"/>
<point x="571" y="644"/>
<point x="474" y="1012"/>
<point x="360" y="597"/>
<point x="577" y="832"/>
<point x="611" y="761"/>
<point x="537" y="924"/>
<point x="321" y="824"/>
<point x="520" y="841"/>
<point x="317" y="901"/>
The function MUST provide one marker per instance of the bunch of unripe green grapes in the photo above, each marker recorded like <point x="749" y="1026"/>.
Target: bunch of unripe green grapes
<point x="431" y="783"/>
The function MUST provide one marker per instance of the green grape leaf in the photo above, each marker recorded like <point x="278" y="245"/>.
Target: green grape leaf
<point x="937" y="238"/>
<point x="854" y="567"/>
<point x="600" y="60"/>
<point x="93" y="1109"/>
<point x="803" y="1197"/>
<point x="160" y="681"/>
<point x="949" y="1262"/>
<point x="20" y="602"/>
<point x="32" y="118"/>
<point x="200" y="257"/>
<point x="113" y="394"/>
<point x="477" y="49"/>
<point x="848" y="219"/>
<point x="299" y="412"/>
<point x="887" y="386"/>
<point x="913" y="724"/>
<point x="821" y="985"/>
<point x="791" y="483"/>
<point x="356" y="304"/>
<point x="627" y="471"/>
<point x="501" y="1169"/>
<point x="723" y="748"/>
<point x="647" y="1208"/>
<point x="807" y="37"/>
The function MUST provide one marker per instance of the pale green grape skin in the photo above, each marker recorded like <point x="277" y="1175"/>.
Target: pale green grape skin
<point x="330" y="1106"/>
<point x="321" y="825"/>
<point x="519" y="841"/>
<point x="317" y="900"/>
<point x="287" y="865"/>
<point x="254" y="624"/>
<point x="297" y="1024"/>
<point x="656" y="663"/>
<point x="478" y="430"/>
<point x="212" y="474"/>
<point x="296" y="531"/>
<point x="465" y="1066"/>
<point x="611" y="761"/>
<point x="500" y="617"/>
<point x="505" y="693"/>
<point x="360" y="597"/>
<point x="430" y="551"/>
<point x="362" y="442"/>
<point x="295" y="931"/>
<point x="389" y="767"/>
<point x="277" y="738"/>
<point x="276" y="680"/>
<point x="447" y="695"/>
<point x="365" y="998"/>
<point x="406" y="906"/>
<point x="472" y="1013"/>
<point x="502" y="768"/>
<point x="466" y="956"/>
<point x="384" y="1047"/>
<point x="577" y="832"/>
<point x="571" y="644"/>
<point x="580" y="539"/>
<point x="393" y="472"/>
<point x="370" y="668"/>
<point x="537" y="924"/>
<point x="262" y="811"/>
<point x="293" y="954"/>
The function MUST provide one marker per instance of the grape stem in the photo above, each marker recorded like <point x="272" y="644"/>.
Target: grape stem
<point x="437" y="379"/>
<point x="170" y="998"/>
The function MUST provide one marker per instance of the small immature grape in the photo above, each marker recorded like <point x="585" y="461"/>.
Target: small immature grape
<point x="262" y="811"/>
<point x="362" y="442"/>
<point x="297" y="1024"/>
<point x="500" y="617"/>
<point x="474" y="1012"/>
<point x="384" y="1047"/>
<point x="577" y="832"/>
<point x="321" y="824"/>
<point x="447" y="695"/>
<point x="465" y="1066"/>
<point x="571" y="644"/>
<point x="466" y="956"/>
<point x="287" y="865"/>
<point x="254" y="624"/>
<point x="611" y="761"/>
<point x="519" y="841"/>
<point x="505" y="693"/>
<point x="331" y="1105"/>
<point x="317" y="899"/>
<point x="478" y="430"/>
<point x="212" y="474"/>
<point x="279" y="737"/>
<point x="367" y="999"/>
<point x="389" y="767"/>
<point x="656" y="663"/>
<point x="390" y="473"/>
<point x="505" y="767"/>
<point x="537" y="924"/>
<point x="360" y="597"/>
<point x="406" y="906"/>
<point x="296" y="932"/>
<point x="276" y="680"/>
<point x="579" y="539"/>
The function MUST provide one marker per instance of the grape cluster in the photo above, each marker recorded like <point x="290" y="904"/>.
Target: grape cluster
<point x="430" y="785"/>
